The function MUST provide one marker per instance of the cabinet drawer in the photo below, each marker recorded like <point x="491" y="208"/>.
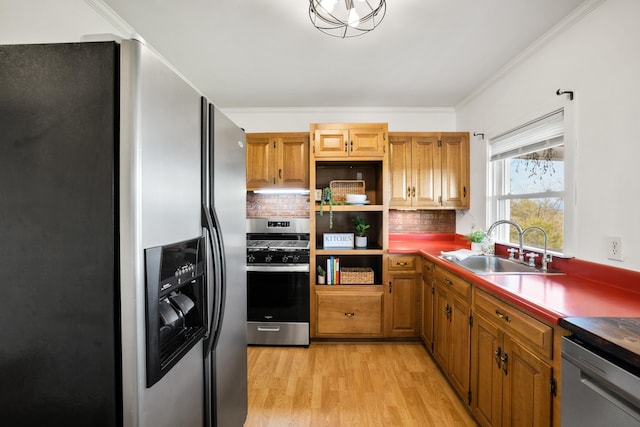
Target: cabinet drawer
<point x="402" y="263"/>
<point x="343" y="313"/>
<point x="538" y="335"/>
<point x="455" y="283"/>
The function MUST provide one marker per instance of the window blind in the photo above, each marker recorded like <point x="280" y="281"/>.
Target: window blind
<point x="544" y="132"/>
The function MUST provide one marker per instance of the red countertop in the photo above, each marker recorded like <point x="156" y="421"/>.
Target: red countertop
<point x="585" y="290"/>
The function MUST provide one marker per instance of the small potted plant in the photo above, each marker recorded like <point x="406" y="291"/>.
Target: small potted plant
<point x="327" y="197"/>
<point x="321" y="275"/>
<point x="476" y="238"/>
<point x="361" y="226"/>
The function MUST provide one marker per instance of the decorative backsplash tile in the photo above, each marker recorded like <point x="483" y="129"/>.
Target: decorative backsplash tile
<point x="297" y="205"/>
<point x="277" y="205"/>
<point x="422" y="221"/>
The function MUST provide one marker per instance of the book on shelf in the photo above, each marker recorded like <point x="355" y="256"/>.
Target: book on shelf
<point x="333" y="271"/>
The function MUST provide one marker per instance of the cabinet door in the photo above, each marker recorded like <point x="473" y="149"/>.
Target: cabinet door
<point x="367" y="142"/>
<point x="331" y="143"/>
<point x="260" y="158"/>
<point x="460" y="335"/>
<point x="526" y="387"/>
<point x="293" y="161"/>
<point x="455" y="170"/>
<point x="404" y="298"/>
<point x="486" y="372"/>
<point x="400" y="171"/>
<point x="426" y="171"/>
<point x="441" y="310"/>
<point x="426" y="330"/>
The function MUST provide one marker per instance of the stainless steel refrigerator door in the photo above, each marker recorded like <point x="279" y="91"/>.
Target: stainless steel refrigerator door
<point x="227" y="193"/>
<point x="160" y="159"/>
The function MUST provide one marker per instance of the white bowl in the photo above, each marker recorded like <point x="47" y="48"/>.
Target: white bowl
<point x="356" y="198"/>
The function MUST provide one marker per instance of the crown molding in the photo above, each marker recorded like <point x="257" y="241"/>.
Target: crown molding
<point x="114" y="19"/>
<point x="307" y="110"/>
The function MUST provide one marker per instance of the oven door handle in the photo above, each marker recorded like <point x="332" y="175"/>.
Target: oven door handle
<point x="302" y="268"/>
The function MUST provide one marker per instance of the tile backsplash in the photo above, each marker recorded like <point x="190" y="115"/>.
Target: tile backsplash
<point x="422" y="221"/>
<point x="277" y="205"/>
<point x="297" y="205"/>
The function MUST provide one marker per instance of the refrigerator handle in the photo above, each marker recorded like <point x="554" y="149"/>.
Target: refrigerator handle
<point x="219" y="283"/>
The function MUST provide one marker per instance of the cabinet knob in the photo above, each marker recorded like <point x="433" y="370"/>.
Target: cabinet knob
<point x="280" y="173"/>
<point x="353" y="313"/>
<point x="390" y="286"/>
<point x="497" y="354"/>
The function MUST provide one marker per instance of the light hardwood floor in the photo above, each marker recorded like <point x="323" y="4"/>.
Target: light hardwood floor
<point x="350" y="385"/>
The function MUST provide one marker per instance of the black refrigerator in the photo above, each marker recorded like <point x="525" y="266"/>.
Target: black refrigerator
<point x="101" y="164"/>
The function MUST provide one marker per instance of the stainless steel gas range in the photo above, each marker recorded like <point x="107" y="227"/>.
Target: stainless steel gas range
<point x="278" y="281"/>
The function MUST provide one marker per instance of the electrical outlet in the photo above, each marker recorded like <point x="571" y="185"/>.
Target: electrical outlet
<point x="614" y="248"/>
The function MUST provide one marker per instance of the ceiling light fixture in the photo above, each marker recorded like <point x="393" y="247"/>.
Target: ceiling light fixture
<point x="346" y="18"/>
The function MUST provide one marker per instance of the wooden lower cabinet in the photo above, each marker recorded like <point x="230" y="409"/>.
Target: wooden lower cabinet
<point x="426" y="312"/>
<point x="511" y="378"/>
<point x="498" y="358"/>
<point x="349" y="314"/>
<point x="452" y="329"/>
<point x="527" y="396"/>
<point x="403" y="297"/>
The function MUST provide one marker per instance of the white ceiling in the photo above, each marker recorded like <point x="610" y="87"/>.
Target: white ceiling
<point x="266" y="53"/>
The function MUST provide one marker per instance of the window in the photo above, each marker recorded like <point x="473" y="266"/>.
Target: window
<point x="527" y="174"/>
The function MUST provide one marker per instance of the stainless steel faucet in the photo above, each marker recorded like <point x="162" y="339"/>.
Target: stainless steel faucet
<point x="518" y="229"/>
<point x="545" y="258"/>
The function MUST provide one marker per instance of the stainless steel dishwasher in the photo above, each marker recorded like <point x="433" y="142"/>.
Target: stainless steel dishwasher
<point x="596" y="390"/>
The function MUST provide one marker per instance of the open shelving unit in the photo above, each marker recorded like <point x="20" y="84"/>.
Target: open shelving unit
<point x="349" y="310"/>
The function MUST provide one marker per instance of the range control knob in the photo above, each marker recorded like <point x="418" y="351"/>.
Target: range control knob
<point x="268" y="258"/>
<point x="296" y="258"/>
<point x="285" y="258"/>
<point x="251" y="258"/>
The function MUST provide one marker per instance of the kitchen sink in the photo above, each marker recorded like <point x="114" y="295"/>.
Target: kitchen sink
<point x="491" y="264"/>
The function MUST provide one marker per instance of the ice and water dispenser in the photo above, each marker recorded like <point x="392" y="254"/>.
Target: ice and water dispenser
<point x="175" y="305"/>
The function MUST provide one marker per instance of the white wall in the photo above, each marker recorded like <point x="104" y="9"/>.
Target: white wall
<point x="598" y="58"/>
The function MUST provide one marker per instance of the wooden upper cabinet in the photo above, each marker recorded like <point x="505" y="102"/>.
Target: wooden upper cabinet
<point x="331" y="142"/>
<point x="455" y="170"/>
<point x="277" y="160"/>
<point x="349" y="140"/>
<point x="260" y="162"/>
<point x="429" y="170"/>
<point x="400" y="170"/>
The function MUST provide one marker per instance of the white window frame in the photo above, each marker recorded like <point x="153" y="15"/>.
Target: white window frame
<point x="497" y="187"/>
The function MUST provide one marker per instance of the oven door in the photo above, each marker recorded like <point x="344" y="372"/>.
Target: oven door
<point x="278" y="305"/>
